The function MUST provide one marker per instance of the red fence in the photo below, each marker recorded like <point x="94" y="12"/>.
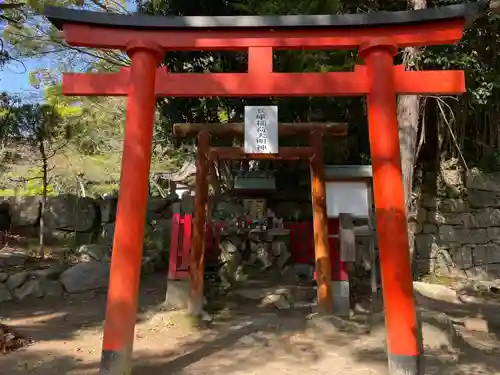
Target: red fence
<point x="180" y="245"/>
<point x="301" y="245"/>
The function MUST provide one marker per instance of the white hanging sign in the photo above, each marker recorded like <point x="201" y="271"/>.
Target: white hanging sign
<point x="261" y="130"/>
<point x="347" y="197"/>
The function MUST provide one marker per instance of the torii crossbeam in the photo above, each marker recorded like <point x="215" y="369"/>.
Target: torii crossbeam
<point x="377" y="36"/>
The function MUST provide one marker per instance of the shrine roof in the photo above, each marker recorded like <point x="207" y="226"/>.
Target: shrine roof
<point x="348" y="172"/>
<point x="469" y="11"/>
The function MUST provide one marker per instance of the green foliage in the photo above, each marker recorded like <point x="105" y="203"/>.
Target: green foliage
<point x="8" y="105"/>
<point x="473" y="120"/>
<point x="28" y="34"/>
<point x="82" y="138"/>
<point x="29" y="184"/>
<point x="94" y="126"/>
<point x="176" y="110"/>
<point x="29" y="191"/>
<point x="96" y="123"/>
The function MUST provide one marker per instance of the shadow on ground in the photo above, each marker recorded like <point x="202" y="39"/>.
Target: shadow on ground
<point x="59" y="319"/>
<point x="242" y="343"/>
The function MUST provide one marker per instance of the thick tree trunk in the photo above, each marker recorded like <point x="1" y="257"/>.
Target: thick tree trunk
<point x="408" y="114"/>
<point x="408" y="119"/>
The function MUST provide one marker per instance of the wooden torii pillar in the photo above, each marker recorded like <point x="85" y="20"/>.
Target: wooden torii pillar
<point x="376" y="35"/>
<point x="314" y="153"/>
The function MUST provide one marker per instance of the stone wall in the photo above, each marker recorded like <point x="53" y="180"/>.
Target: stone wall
<point x="21" y="278"/>
<point x="457" y="229"/>
<point x="79" y="233"/>
<point x="75" y="221"/>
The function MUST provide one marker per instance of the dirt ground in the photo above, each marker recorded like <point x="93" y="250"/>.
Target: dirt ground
<point x="68" y="340"/>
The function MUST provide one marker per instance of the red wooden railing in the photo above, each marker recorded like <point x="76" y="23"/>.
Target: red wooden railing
<point x="180" y="245"/>
<point x="301" y="245"/>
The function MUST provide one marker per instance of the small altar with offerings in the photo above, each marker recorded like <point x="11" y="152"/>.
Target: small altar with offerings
<point x="254" y="244"/>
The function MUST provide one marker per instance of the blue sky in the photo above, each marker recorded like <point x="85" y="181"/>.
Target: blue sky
<point x="14" y="77"/>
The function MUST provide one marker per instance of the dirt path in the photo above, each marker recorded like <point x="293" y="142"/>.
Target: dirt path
<point x="69" y="342"/>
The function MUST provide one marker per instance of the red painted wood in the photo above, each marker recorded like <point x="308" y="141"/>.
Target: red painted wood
<point x="209" y="242"/>
<point x="444" y="82"/>
<point x="212" y="242"/>
<point x="339" y="268"/>
<point x="430" y="33"/>
<point x="301" y="247"/>
<point x="174" y="244"/>
<point x="380" y="81"/>
<point x="126" y="258"/>
<point x="390" y="207"/>
<point x="260" y="61"/>
<point x="186" y="240"/>
<point x="180" y="245"/>
<point x="301" y="244"/>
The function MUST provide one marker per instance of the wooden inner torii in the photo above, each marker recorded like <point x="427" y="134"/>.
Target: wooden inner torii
<point x="313" y="153"/>
<point x="376" y="36"/>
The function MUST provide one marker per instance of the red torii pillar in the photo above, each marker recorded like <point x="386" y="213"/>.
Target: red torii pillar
<point x="128" y="240"/>
<point x="378" y="36"/>
<point x="390" y="211"/>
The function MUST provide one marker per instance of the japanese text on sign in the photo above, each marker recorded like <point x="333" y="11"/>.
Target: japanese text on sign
<point x="261" y="129"/>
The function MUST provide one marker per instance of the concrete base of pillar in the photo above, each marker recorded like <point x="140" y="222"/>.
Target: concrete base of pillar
<point x="177" y="296"/>
<point x="341" y="300"/>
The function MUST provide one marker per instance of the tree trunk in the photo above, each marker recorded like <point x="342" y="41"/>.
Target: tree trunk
<point x="408" y="119"/>
<point x="409" y="114"/>
<point x="45" y="182"/>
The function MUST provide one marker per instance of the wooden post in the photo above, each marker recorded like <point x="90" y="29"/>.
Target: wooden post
<point x="397" y="284"/>
<point x="376" y="302"/>
<point x="197" y="260"/>
<point x="238" y="128"/>
<point x="121" y="308"/>
<point x="284" y="153"/>
<point x="320" y="223"/>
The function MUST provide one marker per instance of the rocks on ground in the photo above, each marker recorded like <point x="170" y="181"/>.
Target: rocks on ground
<point x="23" y="285"/>
<point x="282" y="298"/>
<point x="85" y="277"/>
<point x="90" y="274"/>
<point x="459" y="291"/>
<point x="5" y="295"/>
<point x="94" y="251"/>
<point x="436" y="292"/>
<point x="10" y="258"/>
<point x="54" y="281"/>
<point x="84" y="224"/>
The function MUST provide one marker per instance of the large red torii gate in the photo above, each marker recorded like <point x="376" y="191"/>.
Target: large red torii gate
<point x="377" y="36"/>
